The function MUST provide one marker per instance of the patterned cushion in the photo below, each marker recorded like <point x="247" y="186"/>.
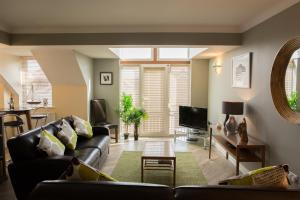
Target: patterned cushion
<point x="273" y="177"/>
<point x="267" y="176"/>
<point x="80" y="171"/>
<point x="67" y="135"/>
<point x="50" y="144"/>
<point x="82" y="127"/>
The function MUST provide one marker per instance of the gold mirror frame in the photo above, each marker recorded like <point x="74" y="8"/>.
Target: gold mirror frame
<point x="278" y="80"/>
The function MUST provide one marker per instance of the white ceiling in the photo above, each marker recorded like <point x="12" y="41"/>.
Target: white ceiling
<point x="101" y="51"/>
<point x="136" y="15"/>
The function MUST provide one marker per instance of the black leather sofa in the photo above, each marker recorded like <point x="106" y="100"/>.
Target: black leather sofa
<point x="60" y="190"/>
<point x="30" y="166"/>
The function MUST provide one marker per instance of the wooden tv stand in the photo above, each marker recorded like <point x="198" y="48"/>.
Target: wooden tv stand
<point x="240" y="151"/>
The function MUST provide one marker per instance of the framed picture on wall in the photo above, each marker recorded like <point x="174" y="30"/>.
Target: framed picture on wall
<point x="241" y="71"/>
<point x="106" y="78"/>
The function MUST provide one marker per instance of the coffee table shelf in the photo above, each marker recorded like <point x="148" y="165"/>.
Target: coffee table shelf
<point x="158" y="156"/>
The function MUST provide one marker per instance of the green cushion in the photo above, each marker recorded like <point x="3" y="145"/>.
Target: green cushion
<point x="81" y="171"/>
<point x="82" y="127"/>
<point x="246" y="179"/>
<point x="67" y="135"/>
<point x="50" y="144"/>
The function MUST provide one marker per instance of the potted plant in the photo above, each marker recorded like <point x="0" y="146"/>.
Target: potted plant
<point x="136" y="117"/>
<point x="125" y="112"/>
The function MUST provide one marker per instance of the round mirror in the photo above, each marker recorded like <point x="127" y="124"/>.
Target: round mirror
<point x="292" y="81"/>
<point x="285" y="81"/>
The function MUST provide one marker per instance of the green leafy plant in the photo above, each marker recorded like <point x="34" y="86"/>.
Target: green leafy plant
<point x="136" y="117"/>
<point x="130" y="114"/>
<point x="292" y="100"/>
<point x="126" y="106"/>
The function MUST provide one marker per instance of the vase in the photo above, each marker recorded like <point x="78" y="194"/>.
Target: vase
<point x="136" y="134"/>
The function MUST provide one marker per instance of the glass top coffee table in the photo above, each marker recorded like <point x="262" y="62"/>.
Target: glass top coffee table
<point x="158" y="156"/>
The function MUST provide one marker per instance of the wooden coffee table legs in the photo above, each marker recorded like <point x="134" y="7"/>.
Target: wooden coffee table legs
<point x="158" y="167"/>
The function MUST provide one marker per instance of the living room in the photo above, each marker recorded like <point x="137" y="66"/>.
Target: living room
<point x="168" y="67"/>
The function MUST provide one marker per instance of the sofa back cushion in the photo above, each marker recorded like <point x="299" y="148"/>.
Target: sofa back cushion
<point x="234" y="192"/>
<point x="60" y="190"/>
<point x="24" y="146"/>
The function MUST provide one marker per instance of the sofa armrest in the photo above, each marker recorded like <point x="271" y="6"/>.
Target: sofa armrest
<point x="100" y="130"/>
<point x="25" y="175"/>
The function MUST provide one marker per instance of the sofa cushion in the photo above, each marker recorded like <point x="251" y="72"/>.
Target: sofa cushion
<point x="98" y="141"/>
<point x="26" y="144"/>
<point x="82" y="172"/>
<point x="83" y="127"/>
<point x="224" y="192"/>
<point x="272" y="176"/>
<point x="67" y="135"/>
<point x="51" y="144"/>
<point x="89" y="156"/>
<point x="60" y="190"/>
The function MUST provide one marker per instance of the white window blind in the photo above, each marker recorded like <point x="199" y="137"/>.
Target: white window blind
<point x="155" y="99"/>
<point x="35" y="85"/>
<point x="179" y="93"/>
<point x="130" y="84"/>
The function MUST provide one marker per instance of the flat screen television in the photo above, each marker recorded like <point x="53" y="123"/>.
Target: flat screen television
<point x="193" y="117"/>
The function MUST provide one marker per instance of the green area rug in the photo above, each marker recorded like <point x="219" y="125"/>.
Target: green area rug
<point x="128" y="169"/>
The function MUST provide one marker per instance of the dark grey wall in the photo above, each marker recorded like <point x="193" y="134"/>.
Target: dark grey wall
<point x="264" y="122"/>
<point x="4" y="37"/>
<point x="108" y="92"/>
<point x="127" y="39"/>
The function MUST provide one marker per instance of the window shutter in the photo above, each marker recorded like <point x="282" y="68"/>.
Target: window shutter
<point x="32" y="76"/>
<point x="155" y="99"/>
<point x="130" y="84"/>
<point x="179" y="93"/>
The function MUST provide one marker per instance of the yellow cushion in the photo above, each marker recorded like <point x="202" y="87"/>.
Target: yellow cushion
<point x="81" y="171"/>
<point x="82" y="127"/>
<point x="271" y="173"/>
<point x="50" y="144"/>
<point x="67" y="135"/>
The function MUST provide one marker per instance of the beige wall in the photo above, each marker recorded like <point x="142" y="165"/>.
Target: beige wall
<point x="70" y="76"/>
<point x="281" y="137"/>
<point x="70" y="100"/>
<point x="199" y="83"/>
<point x="108" y="92"/>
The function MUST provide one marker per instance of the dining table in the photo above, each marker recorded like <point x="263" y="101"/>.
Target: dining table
<point x="19" y="111"/>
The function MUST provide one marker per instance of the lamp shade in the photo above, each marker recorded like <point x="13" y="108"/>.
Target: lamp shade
<point x="232" y="108"/>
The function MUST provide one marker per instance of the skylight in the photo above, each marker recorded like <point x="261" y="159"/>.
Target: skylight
<point x="168" y="54"/>
<point x="133" y="53"/>
<point x="178" y="53"/>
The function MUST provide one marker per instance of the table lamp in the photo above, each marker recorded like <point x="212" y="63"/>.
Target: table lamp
<point x="232" y="108"/>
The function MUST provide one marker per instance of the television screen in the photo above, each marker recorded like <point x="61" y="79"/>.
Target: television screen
<point x="193" y="117"/>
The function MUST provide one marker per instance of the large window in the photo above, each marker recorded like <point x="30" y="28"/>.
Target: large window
<point x="160" y="89"/>
<point x="35" y="85"/>
<point x="130" y="85"/>
<point x="133" y="53"/>
<point x="179" y="93"/>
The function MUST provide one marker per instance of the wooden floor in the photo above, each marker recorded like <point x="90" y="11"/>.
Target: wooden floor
<point x="214" y="170"/>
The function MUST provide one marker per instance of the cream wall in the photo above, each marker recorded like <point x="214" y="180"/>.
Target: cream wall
<point x="199" y="83"/>
<point x="10" y="76"/>
<point x="86" y="66"/>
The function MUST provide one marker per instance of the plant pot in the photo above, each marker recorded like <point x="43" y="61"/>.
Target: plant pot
<point x="126" y="135"/>
<point x="136" y="133"/>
